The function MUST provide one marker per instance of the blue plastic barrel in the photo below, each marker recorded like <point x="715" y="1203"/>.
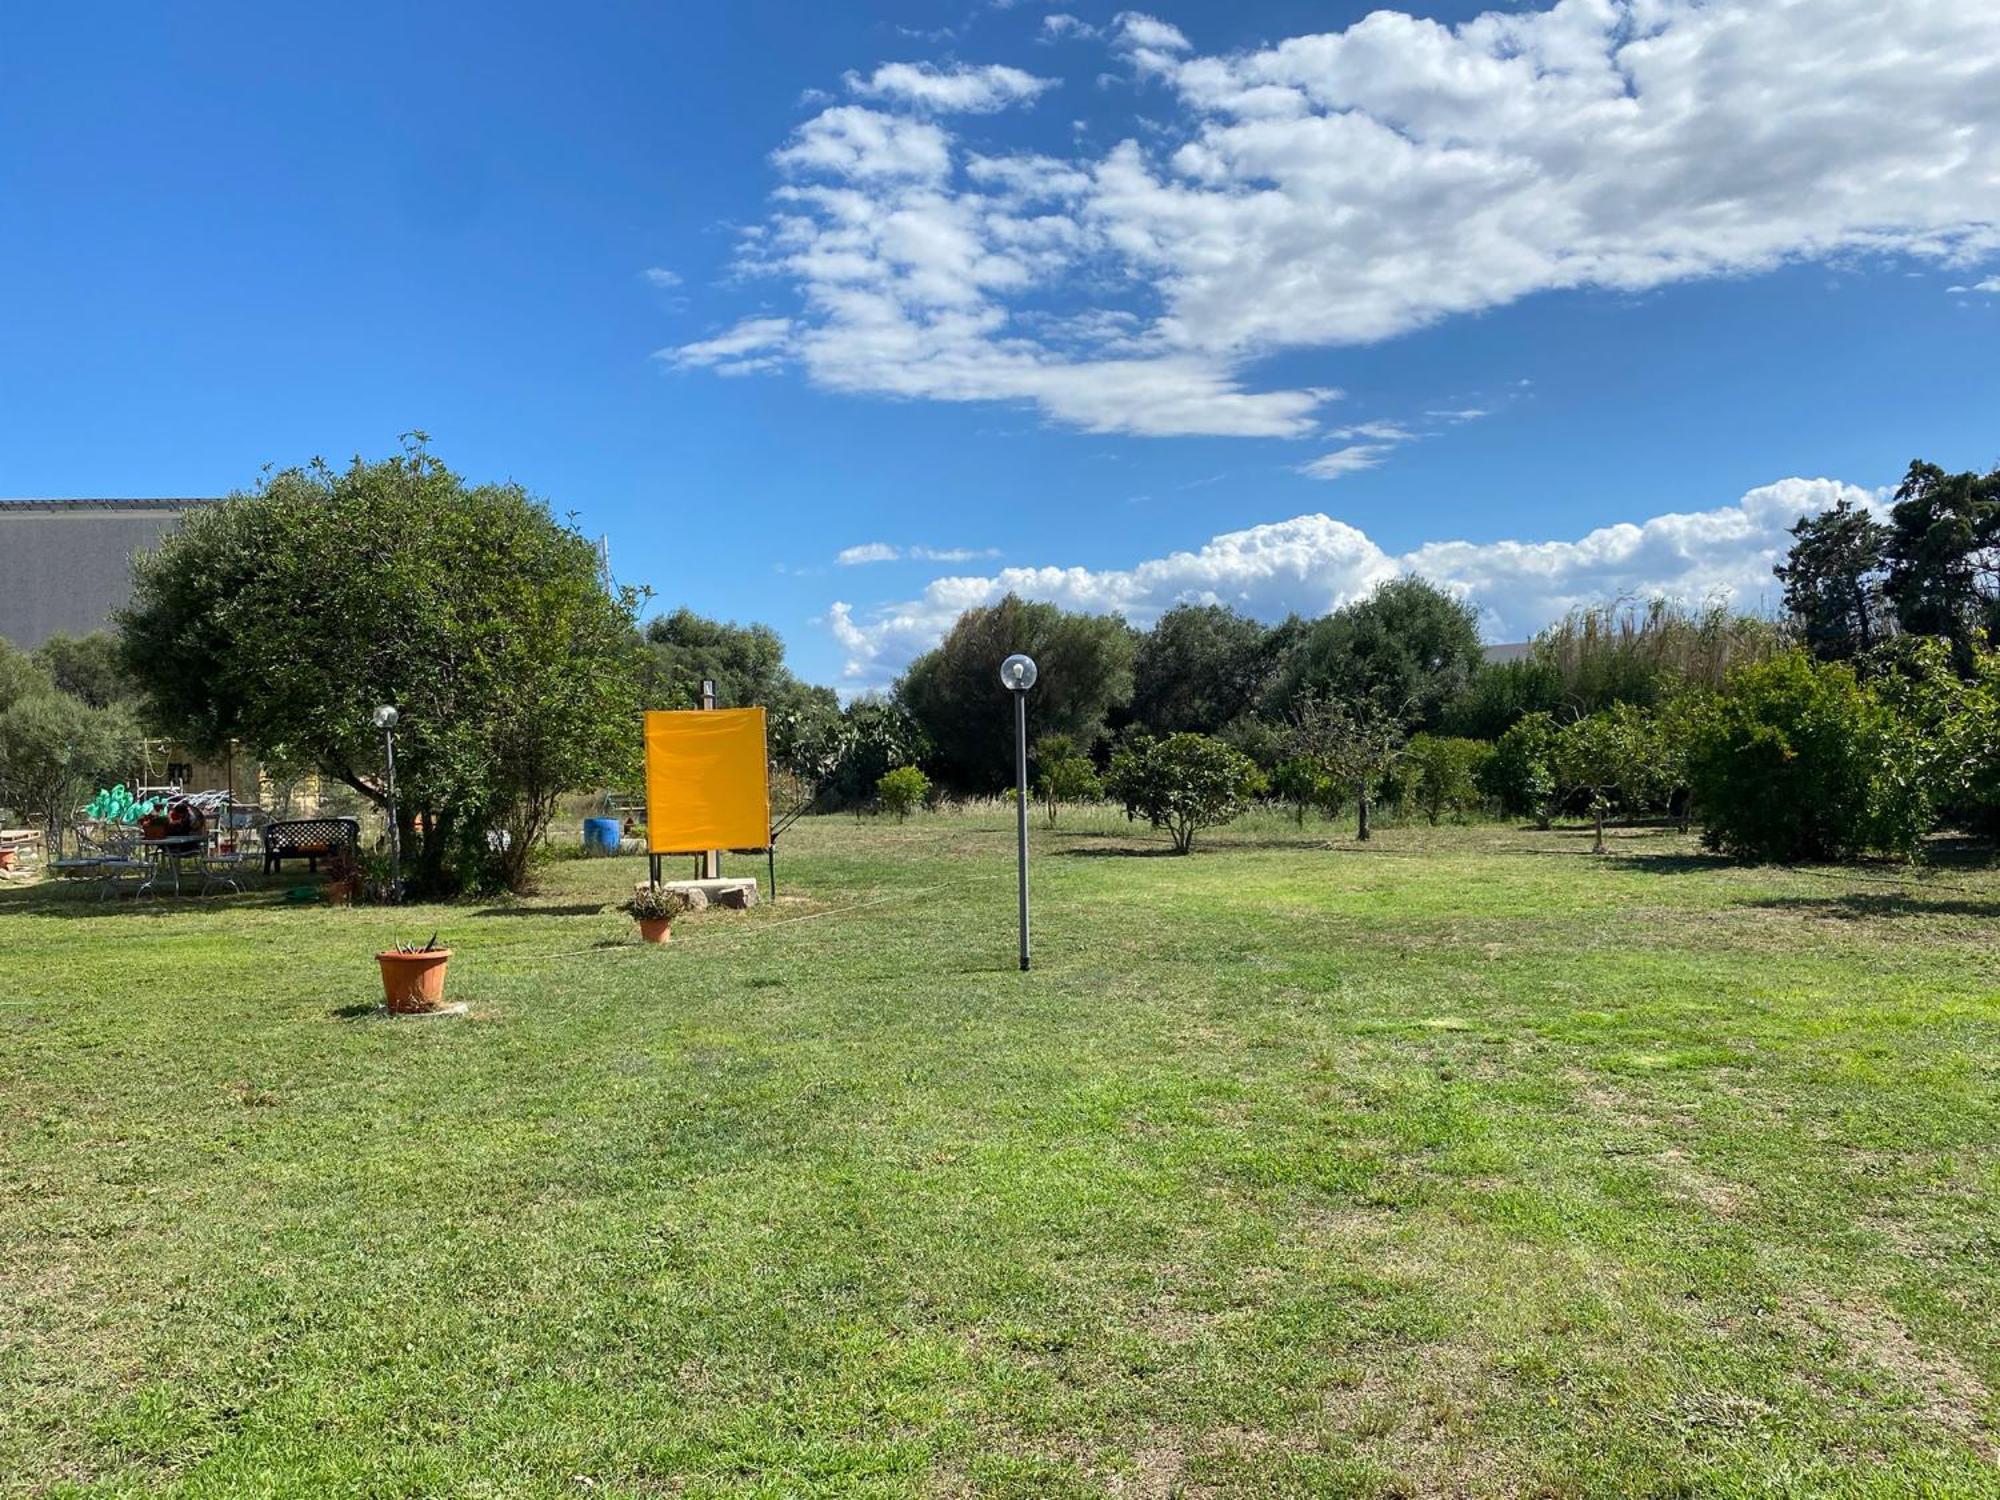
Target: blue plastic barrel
<point x="600" y="835"/>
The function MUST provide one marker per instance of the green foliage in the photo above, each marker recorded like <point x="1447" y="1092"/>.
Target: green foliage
<point x="953" y="693"/>
<point x="1500" y="694"/>
<point x="902" y="791"/>
<point x="1800" y="761"/>
<point x="1609" y="758"/>
<point x="745" y="662"/>
<point x="1202" y="666"/>
<point x="1409" y="647"/>
<point x="1305" y="787"/>
<point x="1355" y="746"/>
<point x="284" y="617"/>
<point x="88" y="667"/>
<point x="1521" y="774"/>
<point x="1444" y="774"/>
<point x="1063" y="775"/>
<point x="840" y="754"/>
<point x="1948" y="738"/>
<point x="1943" y="530"/>
<point x="1183" y="783"/>
<point x="55" y="749"/>
<point x="1833" y="581"/>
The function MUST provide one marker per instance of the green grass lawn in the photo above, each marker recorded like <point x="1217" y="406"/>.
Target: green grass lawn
<point x="1459" y="1163"/>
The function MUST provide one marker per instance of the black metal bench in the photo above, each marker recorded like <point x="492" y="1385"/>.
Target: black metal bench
<point x="310" y="839"/>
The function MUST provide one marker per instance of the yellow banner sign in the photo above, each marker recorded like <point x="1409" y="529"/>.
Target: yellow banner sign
<point x="708" y="782"/>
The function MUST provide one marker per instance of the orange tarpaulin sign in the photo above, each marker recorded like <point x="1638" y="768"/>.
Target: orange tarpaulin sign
<point x="708" y="784"/>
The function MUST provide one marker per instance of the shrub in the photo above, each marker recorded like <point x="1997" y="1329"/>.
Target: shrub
<point x="1442" y="774"/>
<point x="902" y="791"/>
<point x="1800" y="762"/>
<point x="1520" y="774"/>
<point x="1062" y="774"/>
<point x="1302" y="786"/>
<point x="1184" y="783"/>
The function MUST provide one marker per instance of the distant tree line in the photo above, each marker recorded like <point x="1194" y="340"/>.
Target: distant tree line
<point x="1855" y="723"/>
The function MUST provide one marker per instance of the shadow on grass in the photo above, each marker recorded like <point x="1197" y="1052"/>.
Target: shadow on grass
<point x="577" y="909"/>
<point x="63" y="899"/>
<point x="357" y="1012"/>
<point x="1865" y="906"/>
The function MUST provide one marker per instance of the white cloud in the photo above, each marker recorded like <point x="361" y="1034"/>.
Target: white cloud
<point x="661" y="277"/>
<point x="1991" y="284"/>
<point x="752" y="345"/>
<point x="1343" y="461"/>
<point x="1313" y="563"/>
<point x="962" y="89"/>
<point x="867" y="552"/>
<point x="1377" y="432"/>
<point x="866" y="146"/>
<point x="1350" y="186"/>
<point x="874" y="552"/>
<point x="1061" y="25"/>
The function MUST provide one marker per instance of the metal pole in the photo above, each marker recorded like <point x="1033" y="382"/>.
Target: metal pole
<point x="711" y="860"/>
<point x="1021" y="809"/>
<point x="395" y="829"/>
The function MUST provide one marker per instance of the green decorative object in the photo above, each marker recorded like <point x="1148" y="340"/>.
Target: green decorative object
<point x="116" y="805"/>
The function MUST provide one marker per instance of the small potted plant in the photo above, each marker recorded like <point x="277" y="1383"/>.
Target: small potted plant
<point x="343" y="878"/>
<point x="413" y="978"/>
<point x="656" y="907"/>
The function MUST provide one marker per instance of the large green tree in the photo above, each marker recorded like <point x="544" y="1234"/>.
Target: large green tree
<point x="1943" y="552"/>
<point x="282" y="618"/>
<point x="746" y="663"/>
<point x="1200" y="667"/>
<point x="56" y="747"/>
<point x="1410" y="648"/>
<point x="1833" y="580"/>
<point x="953" y="693"/>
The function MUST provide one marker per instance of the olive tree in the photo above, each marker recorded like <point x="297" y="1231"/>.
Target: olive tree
<point x="284" y="616"/>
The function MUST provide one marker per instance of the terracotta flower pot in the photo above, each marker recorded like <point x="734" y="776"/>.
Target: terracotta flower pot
<point x="6" y="859"/>
<point x="656" y="929"/>
<point x="413" y="983"/>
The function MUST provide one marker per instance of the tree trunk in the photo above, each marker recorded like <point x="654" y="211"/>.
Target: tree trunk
<point x="1597" y="813"/>
<point x="1361" y="828"/>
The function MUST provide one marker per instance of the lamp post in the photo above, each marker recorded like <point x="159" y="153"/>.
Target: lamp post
<point x="1017" y="675"/>
<point x="385" y="720"/>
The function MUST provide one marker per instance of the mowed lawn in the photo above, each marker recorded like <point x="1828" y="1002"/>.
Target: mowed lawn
<point x="1458" y="1163"/>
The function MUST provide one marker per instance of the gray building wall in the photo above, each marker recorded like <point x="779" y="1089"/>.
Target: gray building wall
<point x="65" y="565"/>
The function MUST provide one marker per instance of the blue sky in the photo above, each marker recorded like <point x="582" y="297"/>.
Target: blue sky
<point x="1057" y="302"/>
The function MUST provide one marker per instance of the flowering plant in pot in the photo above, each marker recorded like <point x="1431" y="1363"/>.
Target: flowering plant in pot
<point x="413" y="978"/>
<point x="655" y="907"/>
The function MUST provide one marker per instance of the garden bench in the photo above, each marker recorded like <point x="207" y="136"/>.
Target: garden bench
<point x="310" y="839"/>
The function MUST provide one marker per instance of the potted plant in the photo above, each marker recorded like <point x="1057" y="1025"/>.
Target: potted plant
<point x="413" y="978"/>
<point x="343" y="878"/>
<point x="656" y="907"/>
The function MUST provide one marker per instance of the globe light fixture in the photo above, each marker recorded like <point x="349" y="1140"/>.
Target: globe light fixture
<point x="1017" y="675"/>
<point x="385" y="720"/>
